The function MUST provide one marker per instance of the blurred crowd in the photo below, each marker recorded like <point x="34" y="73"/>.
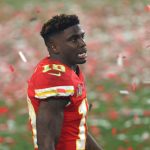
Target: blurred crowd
<point x="118" y="43"/>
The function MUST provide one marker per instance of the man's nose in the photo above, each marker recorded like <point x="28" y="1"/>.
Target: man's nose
<point x="82" y="43"/>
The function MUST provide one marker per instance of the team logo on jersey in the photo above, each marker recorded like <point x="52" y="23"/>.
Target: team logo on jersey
<point x="55" y="74"/>
<point x="79" y="90"/>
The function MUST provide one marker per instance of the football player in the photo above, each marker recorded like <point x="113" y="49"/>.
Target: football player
<point x="57" y="97"/>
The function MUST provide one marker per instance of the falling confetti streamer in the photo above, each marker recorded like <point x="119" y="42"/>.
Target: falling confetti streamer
<point x="120" y="60"/>
<point x="124" y="92"/>
<point x="22" y="56"/>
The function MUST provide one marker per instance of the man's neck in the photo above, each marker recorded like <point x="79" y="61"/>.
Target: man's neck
<point x="73" y="67"/>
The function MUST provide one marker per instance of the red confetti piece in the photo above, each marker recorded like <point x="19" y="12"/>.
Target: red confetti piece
<point x="108" y="97"/>
<point x="38" y="9"/>
<point x="114" y="131"/>
<point x="147" y="8"/>
<point x="3" y="110"/>
<point x="6" y="140"/>
<point x="111" y="75"/>
<point x="11" y="68"/>
<point x="100" y="88"/>
<point x="95" y="130"/>
<point x="2" y="140"/>
<point x="133" y="86"/>
<point x="146" y="113"/>
<point x="113" y="115"/>
<point x="130" y="148"/>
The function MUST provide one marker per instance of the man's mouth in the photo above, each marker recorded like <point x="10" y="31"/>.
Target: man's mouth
<point x="82" y="56"/>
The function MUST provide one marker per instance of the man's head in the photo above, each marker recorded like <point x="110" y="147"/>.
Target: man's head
<point x="63" y="37"/>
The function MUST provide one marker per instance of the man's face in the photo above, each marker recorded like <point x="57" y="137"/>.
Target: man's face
<point x="71" y="46"/>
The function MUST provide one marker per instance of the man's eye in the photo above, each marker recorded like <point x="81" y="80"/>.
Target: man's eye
<point x="74" y="39"/>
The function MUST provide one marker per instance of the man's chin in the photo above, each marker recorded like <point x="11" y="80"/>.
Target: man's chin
<point x="82" y="62"/>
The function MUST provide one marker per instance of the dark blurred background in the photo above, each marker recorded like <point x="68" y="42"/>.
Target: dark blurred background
<point x="117" y="72"/>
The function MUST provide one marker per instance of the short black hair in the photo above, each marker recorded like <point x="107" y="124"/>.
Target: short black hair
<point x="57" y="24"/>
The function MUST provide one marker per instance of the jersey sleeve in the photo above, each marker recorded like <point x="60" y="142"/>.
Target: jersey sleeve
<point x="52" y="85"/>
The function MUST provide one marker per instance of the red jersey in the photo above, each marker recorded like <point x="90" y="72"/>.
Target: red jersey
<point x="51" y="78"/>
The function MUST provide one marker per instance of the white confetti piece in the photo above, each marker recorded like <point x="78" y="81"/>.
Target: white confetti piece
<point x="100" y="122"/>
<point x="120" y="60"/>
<point x="128" y="124"/>
<point x="11" y="124"/>
<point x="148" y="101"/>
<point x="145" y="136"/>
<point x="23" y="58"/>
<point x="137" y="138"/>
<point x="146" y="81"/>
<point x="125" y="92"/>
<point x="122" y="137"/>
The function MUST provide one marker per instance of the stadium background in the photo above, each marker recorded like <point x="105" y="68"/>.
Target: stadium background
<point x="117" y="72"/>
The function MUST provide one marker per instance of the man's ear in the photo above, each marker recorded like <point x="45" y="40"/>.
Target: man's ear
<point x="53" y="47"/>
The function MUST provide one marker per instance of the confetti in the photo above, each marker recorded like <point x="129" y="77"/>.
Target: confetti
<point x="2" y="139"/>
<point x="23" y="58"/>
<point x="11" y="68"/>
<point x="137" y="138"/>
<point x="95" y="130"/>
<point x="113" y="115"/>
<point x="124" y="92"/>
<point x="6" y="140"/>
<point x="3" y="110"/>
<point x="120" y="60"/>
<point x="128" y="124"/>
<point x="100" y="122"/>
<point x="146" y="81"/>
<point x="135" y="82"/>
<point x="147" y="8"/>
<point x="38" y="9"/>
<point x="129" y="148"/>
<point x="111" y="75"/>
<point x="146" y="113"/>
<point x="145" y="136"/>
<point x="121" y="137"/>
<point x="114" y="131"/>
